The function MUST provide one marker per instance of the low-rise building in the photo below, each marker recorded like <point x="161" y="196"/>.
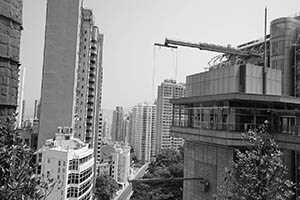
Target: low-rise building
<point x="70" y="162"/>
<point x="115" y="161"/>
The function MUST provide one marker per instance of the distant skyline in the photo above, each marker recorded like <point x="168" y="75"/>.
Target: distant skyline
<point x="130" y="29"/>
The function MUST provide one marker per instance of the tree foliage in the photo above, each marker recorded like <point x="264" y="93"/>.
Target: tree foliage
<point x="258" y="173"/>
<point x="168" y="164"/>
<point x="17" y="168"/>
<point x="106" y="187"/>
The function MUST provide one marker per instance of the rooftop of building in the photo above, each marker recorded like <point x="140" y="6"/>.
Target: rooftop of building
<point x="64" y="141"/>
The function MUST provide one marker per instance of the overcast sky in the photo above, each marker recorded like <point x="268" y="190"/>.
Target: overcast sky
<point x="130" y="29"/>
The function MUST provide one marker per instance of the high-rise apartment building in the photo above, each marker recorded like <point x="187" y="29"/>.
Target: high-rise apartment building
<point x="59" y="76"/>
<point x="72" y="72"/>
<point x="70" y="162"/>
<point x="37" y="109"/>
<point x="10" y="38"/>
<point x="116" y="127"/>
<point x="89" y="80"/>
<point x="106" y="130"/>
<point x="236" y="96"/>
<point x="168" y="89"/>
<point x="125" y="129"/>
<point x="143" y="121"/>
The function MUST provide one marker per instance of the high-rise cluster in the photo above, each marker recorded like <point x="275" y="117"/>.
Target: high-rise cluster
<point x="71" y="97"/>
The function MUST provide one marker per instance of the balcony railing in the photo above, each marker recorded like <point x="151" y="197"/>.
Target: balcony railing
<point x="235" y="127"/>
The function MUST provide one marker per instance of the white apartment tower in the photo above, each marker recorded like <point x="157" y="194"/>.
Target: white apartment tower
<point x="168" y="89"/>
<point x="70" y="162"/>
<point x="143" y="120"/>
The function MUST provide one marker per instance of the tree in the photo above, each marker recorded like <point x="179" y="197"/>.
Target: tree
<point x="106" y="187"/>
<point x="258" y="173"/>
<point x="167" y="164"/>
<point x="166" y="158"/>
<point x="17" y="168"/>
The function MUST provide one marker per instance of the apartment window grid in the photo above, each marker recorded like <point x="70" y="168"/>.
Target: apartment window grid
<point x="72" y="192"/>
<point x="73" y="164"/>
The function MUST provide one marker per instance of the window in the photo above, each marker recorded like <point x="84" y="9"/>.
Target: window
<point x="59" y="163"/>
<point x="48" y="160"/>
<point x="58" y="177"/>
<point x="40" y="157"/>
<point x="58" y="170"/>
<point x="39" y="168"/>
<point x="73" y="164"/>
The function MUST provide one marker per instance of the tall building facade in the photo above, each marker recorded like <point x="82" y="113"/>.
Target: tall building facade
<point x="89" y="81"/>
<point x="143" y="130"/>
<point x="72" y="72"/>
<point x="116" y="127"/>
<point x="235" y="97"/>
<point x="10" y="38"/>
<point x="168" y="89"/>
<point x="59" y="75"/>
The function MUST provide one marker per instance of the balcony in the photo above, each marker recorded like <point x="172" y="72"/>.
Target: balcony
<point x="93" y="52"/>
<point x="90" y="107"/>
<point x="93" y="45"/>
<point x="90" y="101"/>
<point x="92" y="67"/>
<point x="91" y="94"/>
<point x="92" y="79"/>
<point x="91" y="87"/>
<point x="89" y="122"/>
<point x="90" y="114"/>
<point x="93" y="59"/>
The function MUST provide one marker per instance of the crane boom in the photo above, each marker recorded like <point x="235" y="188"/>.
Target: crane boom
<point x="210" y="47"/>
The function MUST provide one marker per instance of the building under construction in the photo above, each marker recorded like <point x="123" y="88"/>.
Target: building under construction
<point x="258" y="81"/>
<point x="10" y="35"/>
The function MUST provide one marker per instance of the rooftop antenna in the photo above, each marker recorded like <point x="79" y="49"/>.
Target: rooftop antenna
<point x="265" y="53"/>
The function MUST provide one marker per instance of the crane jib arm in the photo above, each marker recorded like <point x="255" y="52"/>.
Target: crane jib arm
<point x="211" y="47"/>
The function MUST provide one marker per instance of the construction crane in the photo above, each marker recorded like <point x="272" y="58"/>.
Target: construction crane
<point x="210" y="47"/>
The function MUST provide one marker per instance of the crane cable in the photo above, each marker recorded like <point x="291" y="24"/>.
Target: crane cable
<point x="153" y="72"/>
<point x="175" y="68"/>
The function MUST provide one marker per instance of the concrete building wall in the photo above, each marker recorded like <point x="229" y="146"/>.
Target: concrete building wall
<point x="59" y="68"/>
<point x="207" y="162"/>
<point x="231" y="79"/>
<point x="284" y="32"/>
<point x="10" y="37"/>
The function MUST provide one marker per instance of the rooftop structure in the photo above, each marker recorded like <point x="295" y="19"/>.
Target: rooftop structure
<point x="229" y="100"/>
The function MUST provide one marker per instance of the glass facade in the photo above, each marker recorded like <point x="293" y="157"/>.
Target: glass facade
<point x="238" y="116"/>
